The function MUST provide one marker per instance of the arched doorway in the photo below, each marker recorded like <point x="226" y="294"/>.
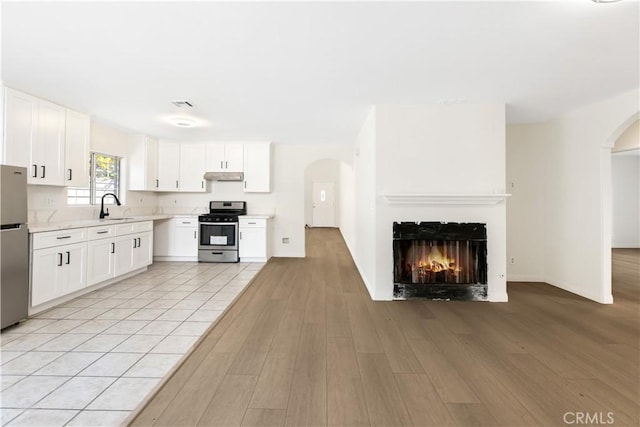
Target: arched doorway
<point x="606" y="188"/>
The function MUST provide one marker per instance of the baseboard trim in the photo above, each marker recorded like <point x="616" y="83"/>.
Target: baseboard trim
<point x="625" y="246"/>
<point x="524" y="278"/>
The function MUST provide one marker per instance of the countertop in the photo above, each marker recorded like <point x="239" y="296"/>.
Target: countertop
<point x="266" y="216"/>
<point x="63" y="225"/>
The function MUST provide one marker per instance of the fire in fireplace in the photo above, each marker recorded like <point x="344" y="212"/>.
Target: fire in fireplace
<point x="436" y="260"/>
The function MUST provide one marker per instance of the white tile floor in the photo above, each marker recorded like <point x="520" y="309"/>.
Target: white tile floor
<point x="91" y="361"/>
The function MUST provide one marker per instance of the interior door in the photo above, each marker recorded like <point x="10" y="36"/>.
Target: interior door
<point x="324" y="208"/>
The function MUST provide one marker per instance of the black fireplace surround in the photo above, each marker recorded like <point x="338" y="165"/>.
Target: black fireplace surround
<point x="440" y="261"/>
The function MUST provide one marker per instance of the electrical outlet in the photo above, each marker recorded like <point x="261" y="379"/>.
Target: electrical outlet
<point x="512" y="260"/>
<point x="512" y="185"/>
<point x="285" y="240"/>
<point x="49" y="201"/>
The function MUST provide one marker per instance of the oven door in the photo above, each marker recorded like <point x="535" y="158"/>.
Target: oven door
<point x="218" y="235"/>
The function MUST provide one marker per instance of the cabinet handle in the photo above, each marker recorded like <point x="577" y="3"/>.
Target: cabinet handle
<point x="186" y="222"/>
<point x="44" y="169"/>
<point x="139" y="242"/>
<point x="201" y="184"/>
<point x="241" y="235"/>
<point x="245" y="185"/>
<point x="157" y="183"/>
<point x="176" y="184"/>
<point x="102" y="232"/>
<point x="68" y="257"/>
<point x="59" y="259"/>
<point x="221" y="167"/>
<point x="113" y="248"/>
<point x="226" y="165"/>
<point x="251" y="223"/>
<point x="63" y="237"/>
<point x="70" y="174"/>
<point x="35" y="171"/>
<point x="195" y="234"/>
<point x="135" y="243"/>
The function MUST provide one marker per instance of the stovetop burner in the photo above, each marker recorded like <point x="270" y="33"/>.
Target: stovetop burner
<point x="224" y="212"/>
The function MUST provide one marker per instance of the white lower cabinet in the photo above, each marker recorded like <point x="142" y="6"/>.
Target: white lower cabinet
<point x="100" y="260"/>
<point x="66" y="261"/>
<point x="254" y="240"/>
<point x="177" y="239"/>
<point x="57" y="271"/>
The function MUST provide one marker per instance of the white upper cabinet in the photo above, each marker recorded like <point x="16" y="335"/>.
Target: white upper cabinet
<point x="21" y="122"/>
<point x="47" y="154"/>
<point x="257" y="167"/>
<point x="143" y="163"/>
<point x="168" y="166"/>
<point x="192" y="166"/>
<point x="77" y="136"/>
<point x="223" y="157"/>
<point x="49" y="140"/>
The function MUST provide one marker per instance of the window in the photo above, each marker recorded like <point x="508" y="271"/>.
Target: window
<point x="104" y="178"/>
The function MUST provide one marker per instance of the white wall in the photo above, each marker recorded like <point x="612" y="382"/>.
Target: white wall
<point x="572" y="158"/>
<point x="286" y="201"/>
<point x="48" y="203"/>
<point x="525" y="207"/>
<point x="357" y="217"/>
<point x="625" y="174"/>
<point x="325" y="170"/>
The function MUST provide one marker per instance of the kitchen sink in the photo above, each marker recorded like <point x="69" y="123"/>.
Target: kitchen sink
<point x="116" y="219"/>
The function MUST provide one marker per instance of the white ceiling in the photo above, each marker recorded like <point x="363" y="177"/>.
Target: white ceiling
<point x="307" y="72"/>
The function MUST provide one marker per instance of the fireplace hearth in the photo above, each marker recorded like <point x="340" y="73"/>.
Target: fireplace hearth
<point x="440" y="261"/>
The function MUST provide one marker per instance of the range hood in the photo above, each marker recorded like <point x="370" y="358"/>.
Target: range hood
<point x="224" y="176"/>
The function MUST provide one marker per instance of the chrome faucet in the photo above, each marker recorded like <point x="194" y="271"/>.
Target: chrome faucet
<point x="102" y="212"/>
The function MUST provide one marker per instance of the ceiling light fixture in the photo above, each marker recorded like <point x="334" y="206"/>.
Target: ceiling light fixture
<point x="183" y="122"/>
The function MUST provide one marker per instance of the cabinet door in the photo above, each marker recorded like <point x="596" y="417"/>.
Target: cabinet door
<point x="21" y="116"/>
<point x="143" y="250"/>
<point x="48" y="152"/>
<point x="253" y="243"/>
<point x="76" y="164"/>
<point x="123" y="257"/>
<point x="257" y="168"/>
<point x="47" y="272"/>
<point x="185" y="238"/>
<point x="100" y="260"/>
<point x="168" y="166"/>
<point x="143" y="163"/>
<point x="233" y="154"/>
<point x="215" y="157"/>
<point x="192" y="166"/>
<point x="74" y="263"/>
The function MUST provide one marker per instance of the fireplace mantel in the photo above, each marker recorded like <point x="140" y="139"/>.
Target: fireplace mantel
<point x="443" y="199"/>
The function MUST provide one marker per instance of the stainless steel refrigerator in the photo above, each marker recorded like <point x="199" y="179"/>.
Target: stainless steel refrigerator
<point x="14" y="245"/>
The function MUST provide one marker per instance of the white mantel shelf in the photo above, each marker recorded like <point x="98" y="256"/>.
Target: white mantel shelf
<point x="443" y="199"/>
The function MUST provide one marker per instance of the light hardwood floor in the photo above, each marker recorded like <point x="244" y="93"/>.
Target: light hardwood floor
<point x="305" y="345"/>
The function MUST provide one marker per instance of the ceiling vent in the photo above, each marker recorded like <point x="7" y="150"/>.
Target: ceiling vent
<point x="182" y="104"/>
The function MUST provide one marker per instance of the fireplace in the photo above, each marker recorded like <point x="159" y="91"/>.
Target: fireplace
<point x="440" y="261"/>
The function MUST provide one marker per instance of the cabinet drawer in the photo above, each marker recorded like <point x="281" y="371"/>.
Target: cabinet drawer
<point x="185" y="222"/>
<point x="104" y="231"/>
<point x="252" y="223"/>
<point x="49" y="239"/>
<point x="134" y="227"/>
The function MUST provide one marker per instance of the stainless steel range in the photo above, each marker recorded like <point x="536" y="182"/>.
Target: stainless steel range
<point x="219" y="232"/>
